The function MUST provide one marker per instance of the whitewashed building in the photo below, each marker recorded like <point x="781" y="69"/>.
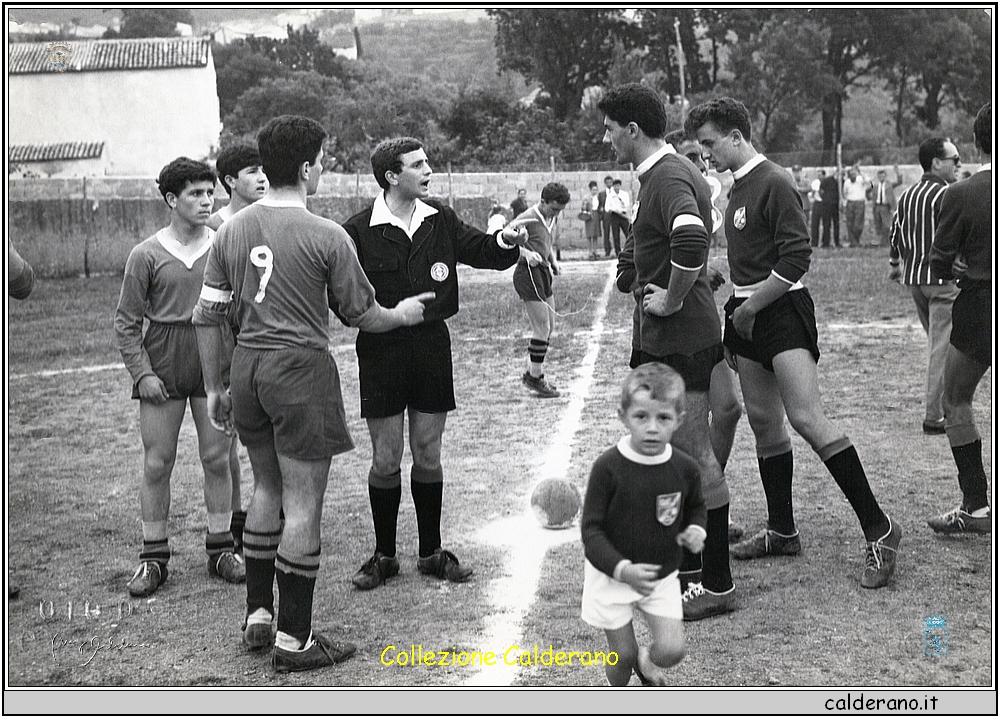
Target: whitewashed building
<point x="144" y="101"/>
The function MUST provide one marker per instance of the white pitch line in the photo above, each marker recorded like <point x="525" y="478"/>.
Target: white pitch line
<point x="527" y="542"/>
<point x="110" y="367"/>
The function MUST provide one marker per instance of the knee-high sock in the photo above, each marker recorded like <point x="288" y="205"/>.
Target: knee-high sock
<point x="841" y="458"/>
<point x="715" y="573"/>
<point x="971" y="475"/>
<point x="296" y="583"/>
<point x="690" y="569"/>
<point x="384" y="493"/>
<point x="427" y="486"/>
<point x="260" y="547"/>
<point x="776" y="476"/>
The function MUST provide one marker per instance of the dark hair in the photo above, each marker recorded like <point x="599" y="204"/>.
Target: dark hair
<point x="285" y="143"/>
<point x="496" y="209"/>
<point x="233" y="159"/>
<point x="675" y="137"/>
<point x="661" y="381"/>
<point x="386" y="157"/>
<point x="636" y="103"/>
<point x="930" y="149"/>
<point x="617" y="181"/>
<point x="592" y="183"/>
<point x="725" y="113"/>
<point x="555" y="192"/>
<point x="177" y="175"/>
<point x="981" y="128"/>
<point x="609" y="177"/>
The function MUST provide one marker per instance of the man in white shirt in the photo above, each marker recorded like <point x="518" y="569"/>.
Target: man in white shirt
<point x="618" y="207"/>
<point x="853" y="195"/>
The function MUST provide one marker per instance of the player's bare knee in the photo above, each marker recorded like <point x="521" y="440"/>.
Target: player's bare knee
<point x="159" y="464"/>
<point x="667" y="654"/>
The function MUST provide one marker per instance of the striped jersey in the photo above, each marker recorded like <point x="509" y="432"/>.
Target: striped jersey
<point x="913" y="229"/>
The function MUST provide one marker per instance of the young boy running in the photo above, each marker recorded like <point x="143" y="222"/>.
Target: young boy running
<point x="643" y="503"/>
<point x="163" y="277"/>
<point x="241" y="173"/>
<point x="533" y="282"/>
<point x="770" y="341"/>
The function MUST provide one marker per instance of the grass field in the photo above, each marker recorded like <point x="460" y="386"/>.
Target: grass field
<point x="74" y="456"/>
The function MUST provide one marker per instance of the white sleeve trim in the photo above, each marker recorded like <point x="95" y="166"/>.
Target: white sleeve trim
<point x="786" y="281"/>
<point x="685" y="220"/>
<point x="211" y="294"/>
<point x="503" y="245"/>
<point x="687" y="269"/>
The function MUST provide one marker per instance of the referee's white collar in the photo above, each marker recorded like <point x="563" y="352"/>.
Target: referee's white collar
<point x="625" y="447"/>
<point x="745" y="169"/>
<point x="382" y="215"/>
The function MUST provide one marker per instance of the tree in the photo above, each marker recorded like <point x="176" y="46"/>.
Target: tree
<point x="237" y="69"/>
<point x="659" y="33"/>
<point x="146" y="22"/>
<point x="780" y="77"/>
<point x="298" y="93"/>
<point x="565" y="51"/>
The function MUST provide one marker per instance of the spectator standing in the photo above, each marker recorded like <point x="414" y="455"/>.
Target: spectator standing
<point x="883" y="199"/>
<point x="854" y="205"/>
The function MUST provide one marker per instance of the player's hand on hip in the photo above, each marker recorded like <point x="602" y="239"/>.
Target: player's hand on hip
<point x="152" y="389"/>
<point x="412" y="308"/>
<point x="220" y="411"/>
<point x="654" y="301"/>
<point x="515" y="232"/>
<point x="715" y="278"/>
<point x="743" y="321"/>
<point x="643" y="577"/>
<point x="532" y="258"/>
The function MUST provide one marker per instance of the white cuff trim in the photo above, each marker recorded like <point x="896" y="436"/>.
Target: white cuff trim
<point x="211" y="294"/>
<point x="686" y="220"/>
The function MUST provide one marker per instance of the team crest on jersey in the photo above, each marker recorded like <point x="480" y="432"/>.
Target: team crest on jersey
<point x="667" y="508"/>
<point x="740" y="218"/>
<point x="439" y="271"/>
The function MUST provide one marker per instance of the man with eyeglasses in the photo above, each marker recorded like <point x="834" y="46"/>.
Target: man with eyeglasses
<point x="910" y="242"/>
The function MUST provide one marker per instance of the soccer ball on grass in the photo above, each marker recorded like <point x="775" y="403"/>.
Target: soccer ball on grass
<point x="555" y="503"/>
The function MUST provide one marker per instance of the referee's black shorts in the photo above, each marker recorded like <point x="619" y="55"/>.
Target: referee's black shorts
<point x="970" y="321"/>
<point x="409" y="367"/>
<point x="787" y="323"/>
<point x="695" y="370"/>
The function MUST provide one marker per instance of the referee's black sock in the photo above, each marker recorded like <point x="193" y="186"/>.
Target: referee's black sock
<point x="296" y="583"/>
<point x="715" y="573"/>
<point x="971" y="475"/>
<point x="427" y="487"/>
<point x="776" y="476"/>
<point x="384" y="493"/>
<point x="841" y="458"/>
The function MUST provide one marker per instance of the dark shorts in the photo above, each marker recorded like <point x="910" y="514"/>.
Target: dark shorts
<point x="532" y="284"/>
<point x="787" y="323"/>
<point x="291" y="397"/>
<point x="971" y="316"/>
<point x="695" y="370"/>
<point x="407" y="367"/>
<point x="173" y="353"/>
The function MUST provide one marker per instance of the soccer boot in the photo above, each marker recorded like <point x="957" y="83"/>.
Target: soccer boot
<point x="376" y="571"/>
<point x="258" y="635"/>
<point x="229" y="566"/>
<point x="319" y="652"/>
<point x="539" y="386"/>
<point x="698" y="602"/>
<point x="880" y="558"/>
<point x="445" y="566"/>
<point x="958" y="521"/>
<point x="766" y="543"/>
<point x="147" y="578"/>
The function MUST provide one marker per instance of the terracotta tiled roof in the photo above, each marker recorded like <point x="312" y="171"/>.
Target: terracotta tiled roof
<point x="61" y="151"/>
<point x="92" y="55"/>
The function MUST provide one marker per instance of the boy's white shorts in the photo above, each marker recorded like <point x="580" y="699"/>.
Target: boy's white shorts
<point x="608" y="603"/>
